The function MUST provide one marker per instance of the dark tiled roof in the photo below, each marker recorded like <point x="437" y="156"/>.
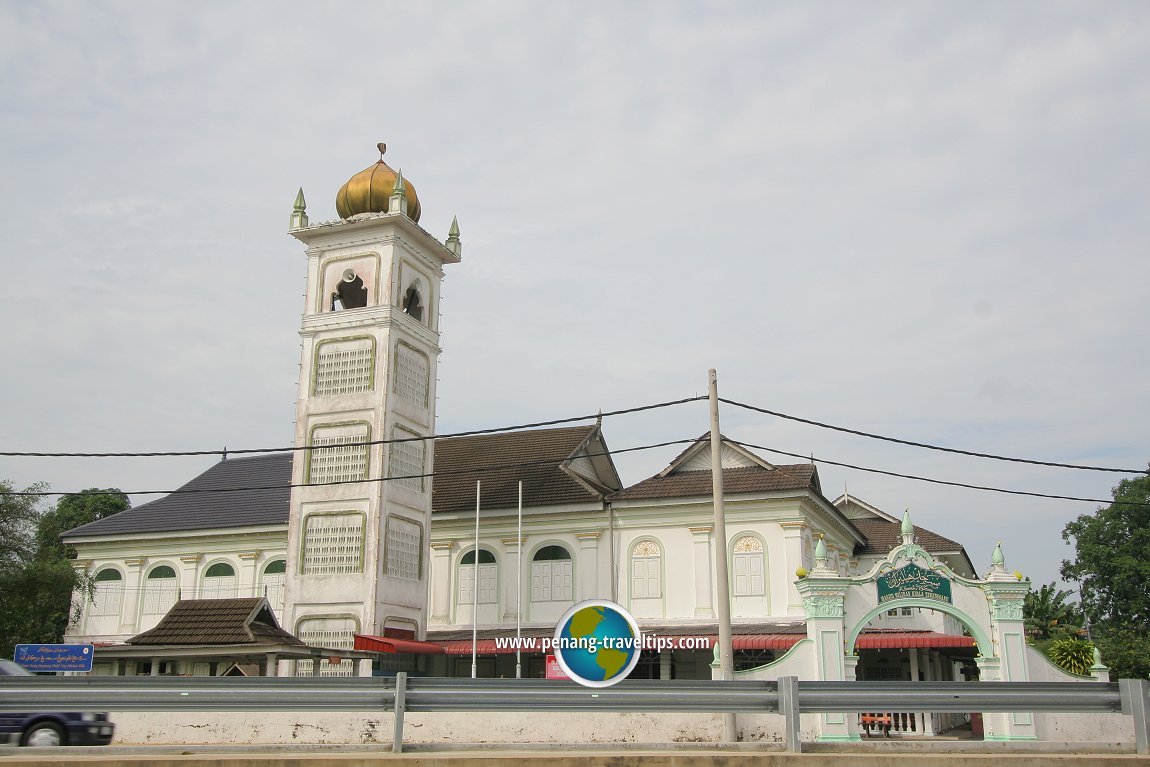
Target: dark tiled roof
<point x="210" y="510"/>
<point x="882" y="536"/>
<point x="217" y="622"/>
<point x="460" y="461"/>
<point x="751" y="479"/>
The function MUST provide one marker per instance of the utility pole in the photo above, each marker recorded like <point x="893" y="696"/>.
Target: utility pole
<point x="726" y="662"/>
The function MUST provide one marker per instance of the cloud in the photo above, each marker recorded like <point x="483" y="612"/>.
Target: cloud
<point x="924" y="221"/>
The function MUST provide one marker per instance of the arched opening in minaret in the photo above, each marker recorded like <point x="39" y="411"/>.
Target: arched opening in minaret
<point x="349" y="293"/>
<point x="413" y="303"/>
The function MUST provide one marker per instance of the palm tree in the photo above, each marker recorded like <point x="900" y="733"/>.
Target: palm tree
<point x="1047" y="613"/>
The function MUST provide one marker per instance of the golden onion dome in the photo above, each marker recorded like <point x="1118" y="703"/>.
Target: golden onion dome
<point x="368" y="191"/>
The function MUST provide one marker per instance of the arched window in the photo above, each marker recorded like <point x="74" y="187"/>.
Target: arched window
<point x="551" y="575"/>
<point x="219" y="582"/>
<point x="272" y="583"/>
<point x="349" y="293"/>
<point x="747" y="567"/>
<point x="413" y="302"/>
<point x="160" y="590"/>
<point x="487" y="578"/>
<point x="109" y="592"/>
<point x="646" y="570"/>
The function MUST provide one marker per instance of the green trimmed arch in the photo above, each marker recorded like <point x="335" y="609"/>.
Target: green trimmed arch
<point x="981" y="639"/>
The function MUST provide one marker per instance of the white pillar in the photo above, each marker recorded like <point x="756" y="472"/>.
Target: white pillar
<point x="246" y="577"/>
<point x="1006" y="596"/>
<point x="188" y="585"/>
<point x="588" y="565"/>
<point x="133" y="595"/>
<point x="792" y="561"/>
<point x="441" y="582"/>
<point x="510" y="586"/>
<point x="823" y="593"/>
<point x="704" y="588"/>
<point x="664" y="664"/>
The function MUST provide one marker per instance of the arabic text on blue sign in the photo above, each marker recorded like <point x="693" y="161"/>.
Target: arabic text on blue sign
<point x="54" y="657"/>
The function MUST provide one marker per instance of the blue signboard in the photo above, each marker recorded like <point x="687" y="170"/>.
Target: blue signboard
<point x="55" y="657"/>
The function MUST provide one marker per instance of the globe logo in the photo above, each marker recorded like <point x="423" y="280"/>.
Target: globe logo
<point x="597" y="643"/>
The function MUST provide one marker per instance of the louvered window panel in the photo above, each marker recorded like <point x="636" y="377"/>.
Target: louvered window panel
<point x="335" y="457"/>
<point x="412" y="374"/>
<point x="406" y="460"/>
<point x="403" y="548"/>
<point x="335" y="633"/>
<point x="344" y="367"/>
<point x="333" y="544"/>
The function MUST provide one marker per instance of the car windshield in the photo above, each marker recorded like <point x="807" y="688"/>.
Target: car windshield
<point x="8" y="668"/>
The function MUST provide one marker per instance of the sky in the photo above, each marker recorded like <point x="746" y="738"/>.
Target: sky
<point x="926" y="220"/>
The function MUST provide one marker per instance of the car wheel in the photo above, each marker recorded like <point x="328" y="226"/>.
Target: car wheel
<point x="44" y="734"/>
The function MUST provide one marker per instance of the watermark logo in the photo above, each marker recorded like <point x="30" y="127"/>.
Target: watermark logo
<point x="597" y="643"/>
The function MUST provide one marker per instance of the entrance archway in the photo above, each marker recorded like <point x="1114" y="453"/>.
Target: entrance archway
<point x="909" y="576"/>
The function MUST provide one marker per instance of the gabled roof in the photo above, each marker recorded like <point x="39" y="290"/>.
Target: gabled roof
<point x="548" y="461"/>
<point x="697" y="457"/>
<point x="857" y="508"/>
<point x="190" y="508"/>
<point x="683" y="484"/>
<point x="689" y="474"/>
<point x="883" y="536"/>
<point x="246" y="621"/>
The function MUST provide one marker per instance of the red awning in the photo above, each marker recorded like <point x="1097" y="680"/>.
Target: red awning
<point x="391" y="644"/>
<point x="764" y="641"/>
<point x="910" y="640"/>
<point x="486" y="647"/>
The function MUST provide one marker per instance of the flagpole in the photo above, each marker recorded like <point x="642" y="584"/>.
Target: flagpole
<point x="475" y="590"/>
<point x="519" y="590"/>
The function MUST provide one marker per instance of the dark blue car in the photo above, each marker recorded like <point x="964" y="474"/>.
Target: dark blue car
<point x="51" y="728"/>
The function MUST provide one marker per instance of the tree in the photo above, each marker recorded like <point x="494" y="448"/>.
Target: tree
<point x="1047" y="614"/>
<point x="1126" y="651"/>
<point x="37" y="579"/>
<point x="18" y="517"/>
<point x="1110" y="559"/>
<point x="1112" y="566"/>
<point x="71" y="511"/>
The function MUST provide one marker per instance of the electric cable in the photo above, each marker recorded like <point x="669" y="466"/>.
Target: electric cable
<point x="813" y="459"/>
<point x="260" y="488"/>
<point x="293" y="448"/>
<point x="927" y="445"/>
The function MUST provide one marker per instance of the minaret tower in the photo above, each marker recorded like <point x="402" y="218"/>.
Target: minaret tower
<point x="357" y="535"/>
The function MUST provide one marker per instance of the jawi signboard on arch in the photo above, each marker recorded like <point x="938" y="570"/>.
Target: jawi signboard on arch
<point x="913" y="582"/>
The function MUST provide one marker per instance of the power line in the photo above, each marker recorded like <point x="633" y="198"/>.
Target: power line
<point x="938" y="481"/>
<point x="929" y="446"/>
<point x="293" y="448"/>
<point x="439" y="473"/>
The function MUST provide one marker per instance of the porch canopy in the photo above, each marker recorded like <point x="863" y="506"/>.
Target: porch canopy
<point x="238" y="630"/>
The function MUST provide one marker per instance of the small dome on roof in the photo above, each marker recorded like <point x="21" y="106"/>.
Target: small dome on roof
<point x="368" y="191"/>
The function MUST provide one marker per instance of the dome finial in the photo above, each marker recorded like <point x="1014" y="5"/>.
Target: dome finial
<point x="382" y="147"/>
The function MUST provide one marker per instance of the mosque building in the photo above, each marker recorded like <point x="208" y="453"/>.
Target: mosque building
<point x="358" y="553"/>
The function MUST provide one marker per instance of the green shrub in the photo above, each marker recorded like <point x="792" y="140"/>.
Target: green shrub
<point x="1073" y="655"/>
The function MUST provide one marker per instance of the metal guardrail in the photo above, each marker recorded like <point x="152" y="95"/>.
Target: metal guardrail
<point x="788" y="696"/>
